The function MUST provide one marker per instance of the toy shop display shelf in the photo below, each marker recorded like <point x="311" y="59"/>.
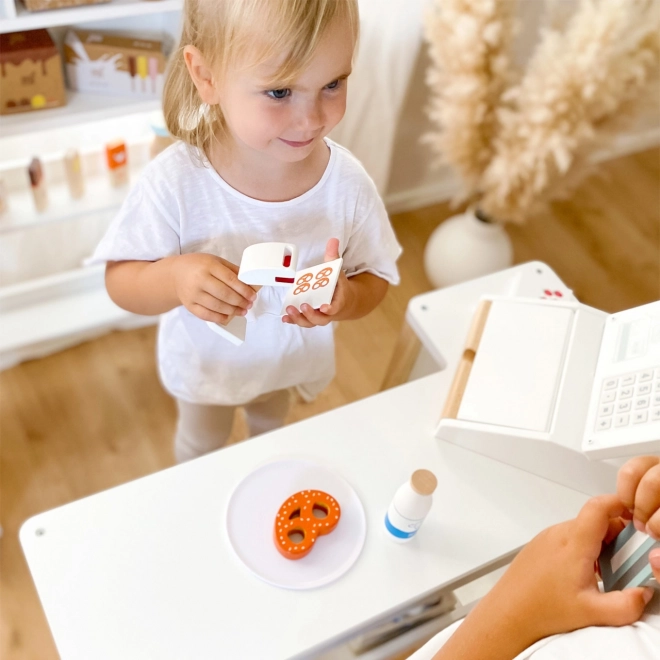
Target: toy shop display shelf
<point x="81" y="108"/>
<point x="51" y="313"/>
<point x="100" y="198"/>
<point x="14" y="16"/>
<point x="48" y="299"/>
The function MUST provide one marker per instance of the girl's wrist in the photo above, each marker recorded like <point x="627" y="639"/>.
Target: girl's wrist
<point x="170" y="273"/>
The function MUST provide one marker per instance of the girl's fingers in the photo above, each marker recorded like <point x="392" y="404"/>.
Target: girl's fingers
<point x="313" y="316"/>
<point x="331" y="250"/>
<point x="630" y="475"/>
<point x="296" y="317"/>
<point x="208" y="315"/>
<point x="221" y="291"/>
<point x="230" y="279"/>
<point x="219" y="306"/>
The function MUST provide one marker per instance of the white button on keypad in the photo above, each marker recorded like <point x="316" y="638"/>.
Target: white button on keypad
<point x="621" y="420"/>
<point x="640" y="417"/>
<point x="629" y="399"/>
<point x="623" y="406"/>
<point x="644" y="388"/>
<point x="608" y="397"/>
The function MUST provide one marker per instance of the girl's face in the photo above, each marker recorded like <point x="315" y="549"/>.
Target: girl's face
<point x="288" y="124"/>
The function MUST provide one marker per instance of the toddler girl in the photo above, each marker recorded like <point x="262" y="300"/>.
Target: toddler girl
<point x="251" y="93"/>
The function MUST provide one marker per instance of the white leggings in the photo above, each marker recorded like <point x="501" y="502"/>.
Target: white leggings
<point x="204" y="428"/>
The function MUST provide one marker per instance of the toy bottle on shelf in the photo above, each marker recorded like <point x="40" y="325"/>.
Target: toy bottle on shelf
<point x="411" y="503"/>
<point x="38" y="185"/>
<point x="74" y="177"/>
<point x="117" y="159"/>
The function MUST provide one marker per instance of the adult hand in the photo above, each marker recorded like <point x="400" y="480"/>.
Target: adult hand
<point x="308" y="317"/>
<point x="550" y="588"/>
<point x="208" y="287"/>
<point x="551" y="584"/>
<point x="638" y="487"/>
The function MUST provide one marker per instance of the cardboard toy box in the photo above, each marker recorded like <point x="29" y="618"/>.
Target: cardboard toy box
<point x="113" y="64"/>
<point x="41" y="5"/>
<point x="30" y="72"/>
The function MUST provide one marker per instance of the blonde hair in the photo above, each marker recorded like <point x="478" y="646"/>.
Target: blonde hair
<point x="229" y="32"/>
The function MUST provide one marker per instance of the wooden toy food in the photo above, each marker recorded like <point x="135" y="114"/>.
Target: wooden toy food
<point x="304" y="517"/>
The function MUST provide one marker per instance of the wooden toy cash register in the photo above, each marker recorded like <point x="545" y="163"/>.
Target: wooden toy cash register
<point x="558" y="388"/>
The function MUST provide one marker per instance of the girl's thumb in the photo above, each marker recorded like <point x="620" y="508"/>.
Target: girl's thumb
<point x="331" y="250"/>
<point x="620" y="608"/>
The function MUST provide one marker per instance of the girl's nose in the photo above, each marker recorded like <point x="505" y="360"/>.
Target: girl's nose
<point x="311" y="117"/>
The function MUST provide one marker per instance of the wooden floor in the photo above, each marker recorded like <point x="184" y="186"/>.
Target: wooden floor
<point x="95" y="416"/>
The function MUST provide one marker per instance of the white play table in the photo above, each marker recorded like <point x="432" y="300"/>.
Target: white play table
<point x="145" y="571"/>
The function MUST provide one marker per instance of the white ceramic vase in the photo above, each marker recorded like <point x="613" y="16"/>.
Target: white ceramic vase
<point x="464" y="247"/>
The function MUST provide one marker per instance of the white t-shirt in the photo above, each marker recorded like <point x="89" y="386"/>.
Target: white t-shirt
<point x="639" y="641"/>
<point x="179" y="207"/>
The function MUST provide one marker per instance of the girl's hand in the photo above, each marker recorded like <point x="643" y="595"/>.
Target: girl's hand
<point x="208" y="287"/>
<point x="308" y="317"/>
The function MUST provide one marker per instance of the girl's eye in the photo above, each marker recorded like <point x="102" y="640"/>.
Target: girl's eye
<point x="278" y="94"/>
<point x="333" y="85"/>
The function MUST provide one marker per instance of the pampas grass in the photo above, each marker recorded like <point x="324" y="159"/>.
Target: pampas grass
<point x="468" y="44"/>
<point x="582" y="84"/>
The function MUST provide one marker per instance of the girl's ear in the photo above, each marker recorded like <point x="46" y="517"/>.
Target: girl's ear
<point x="201" y="74"/>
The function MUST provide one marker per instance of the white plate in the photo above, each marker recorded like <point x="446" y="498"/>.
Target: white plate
<point x="251" y="516"/>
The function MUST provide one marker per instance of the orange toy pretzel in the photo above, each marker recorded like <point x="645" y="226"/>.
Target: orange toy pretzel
<point x="304" y="517"/>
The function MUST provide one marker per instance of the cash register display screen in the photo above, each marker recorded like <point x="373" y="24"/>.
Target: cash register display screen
<point x="633" y="339"/>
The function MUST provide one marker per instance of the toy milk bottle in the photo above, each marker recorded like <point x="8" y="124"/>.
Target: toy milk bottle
<point x="410" y="505"/>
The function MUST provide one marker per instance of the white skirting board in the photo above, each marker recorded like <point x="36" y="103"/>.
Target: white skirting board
<point x="440" y="185"/>
<point x="51" y="313"/>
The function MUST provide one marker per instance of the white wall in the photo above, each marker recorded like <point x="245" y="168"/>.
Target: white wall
<point x="414" y="181"/>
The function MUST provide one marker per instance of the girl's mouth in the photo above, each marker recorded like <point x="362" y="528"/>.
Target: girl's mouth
<point x="291" y="143"/>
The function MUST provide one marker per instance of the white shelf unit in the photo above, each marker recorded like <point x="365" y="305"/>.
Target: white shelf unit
<point x="41" y="313"/>
<point x="81" y="108"/>
<point x="16" y="17"/>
